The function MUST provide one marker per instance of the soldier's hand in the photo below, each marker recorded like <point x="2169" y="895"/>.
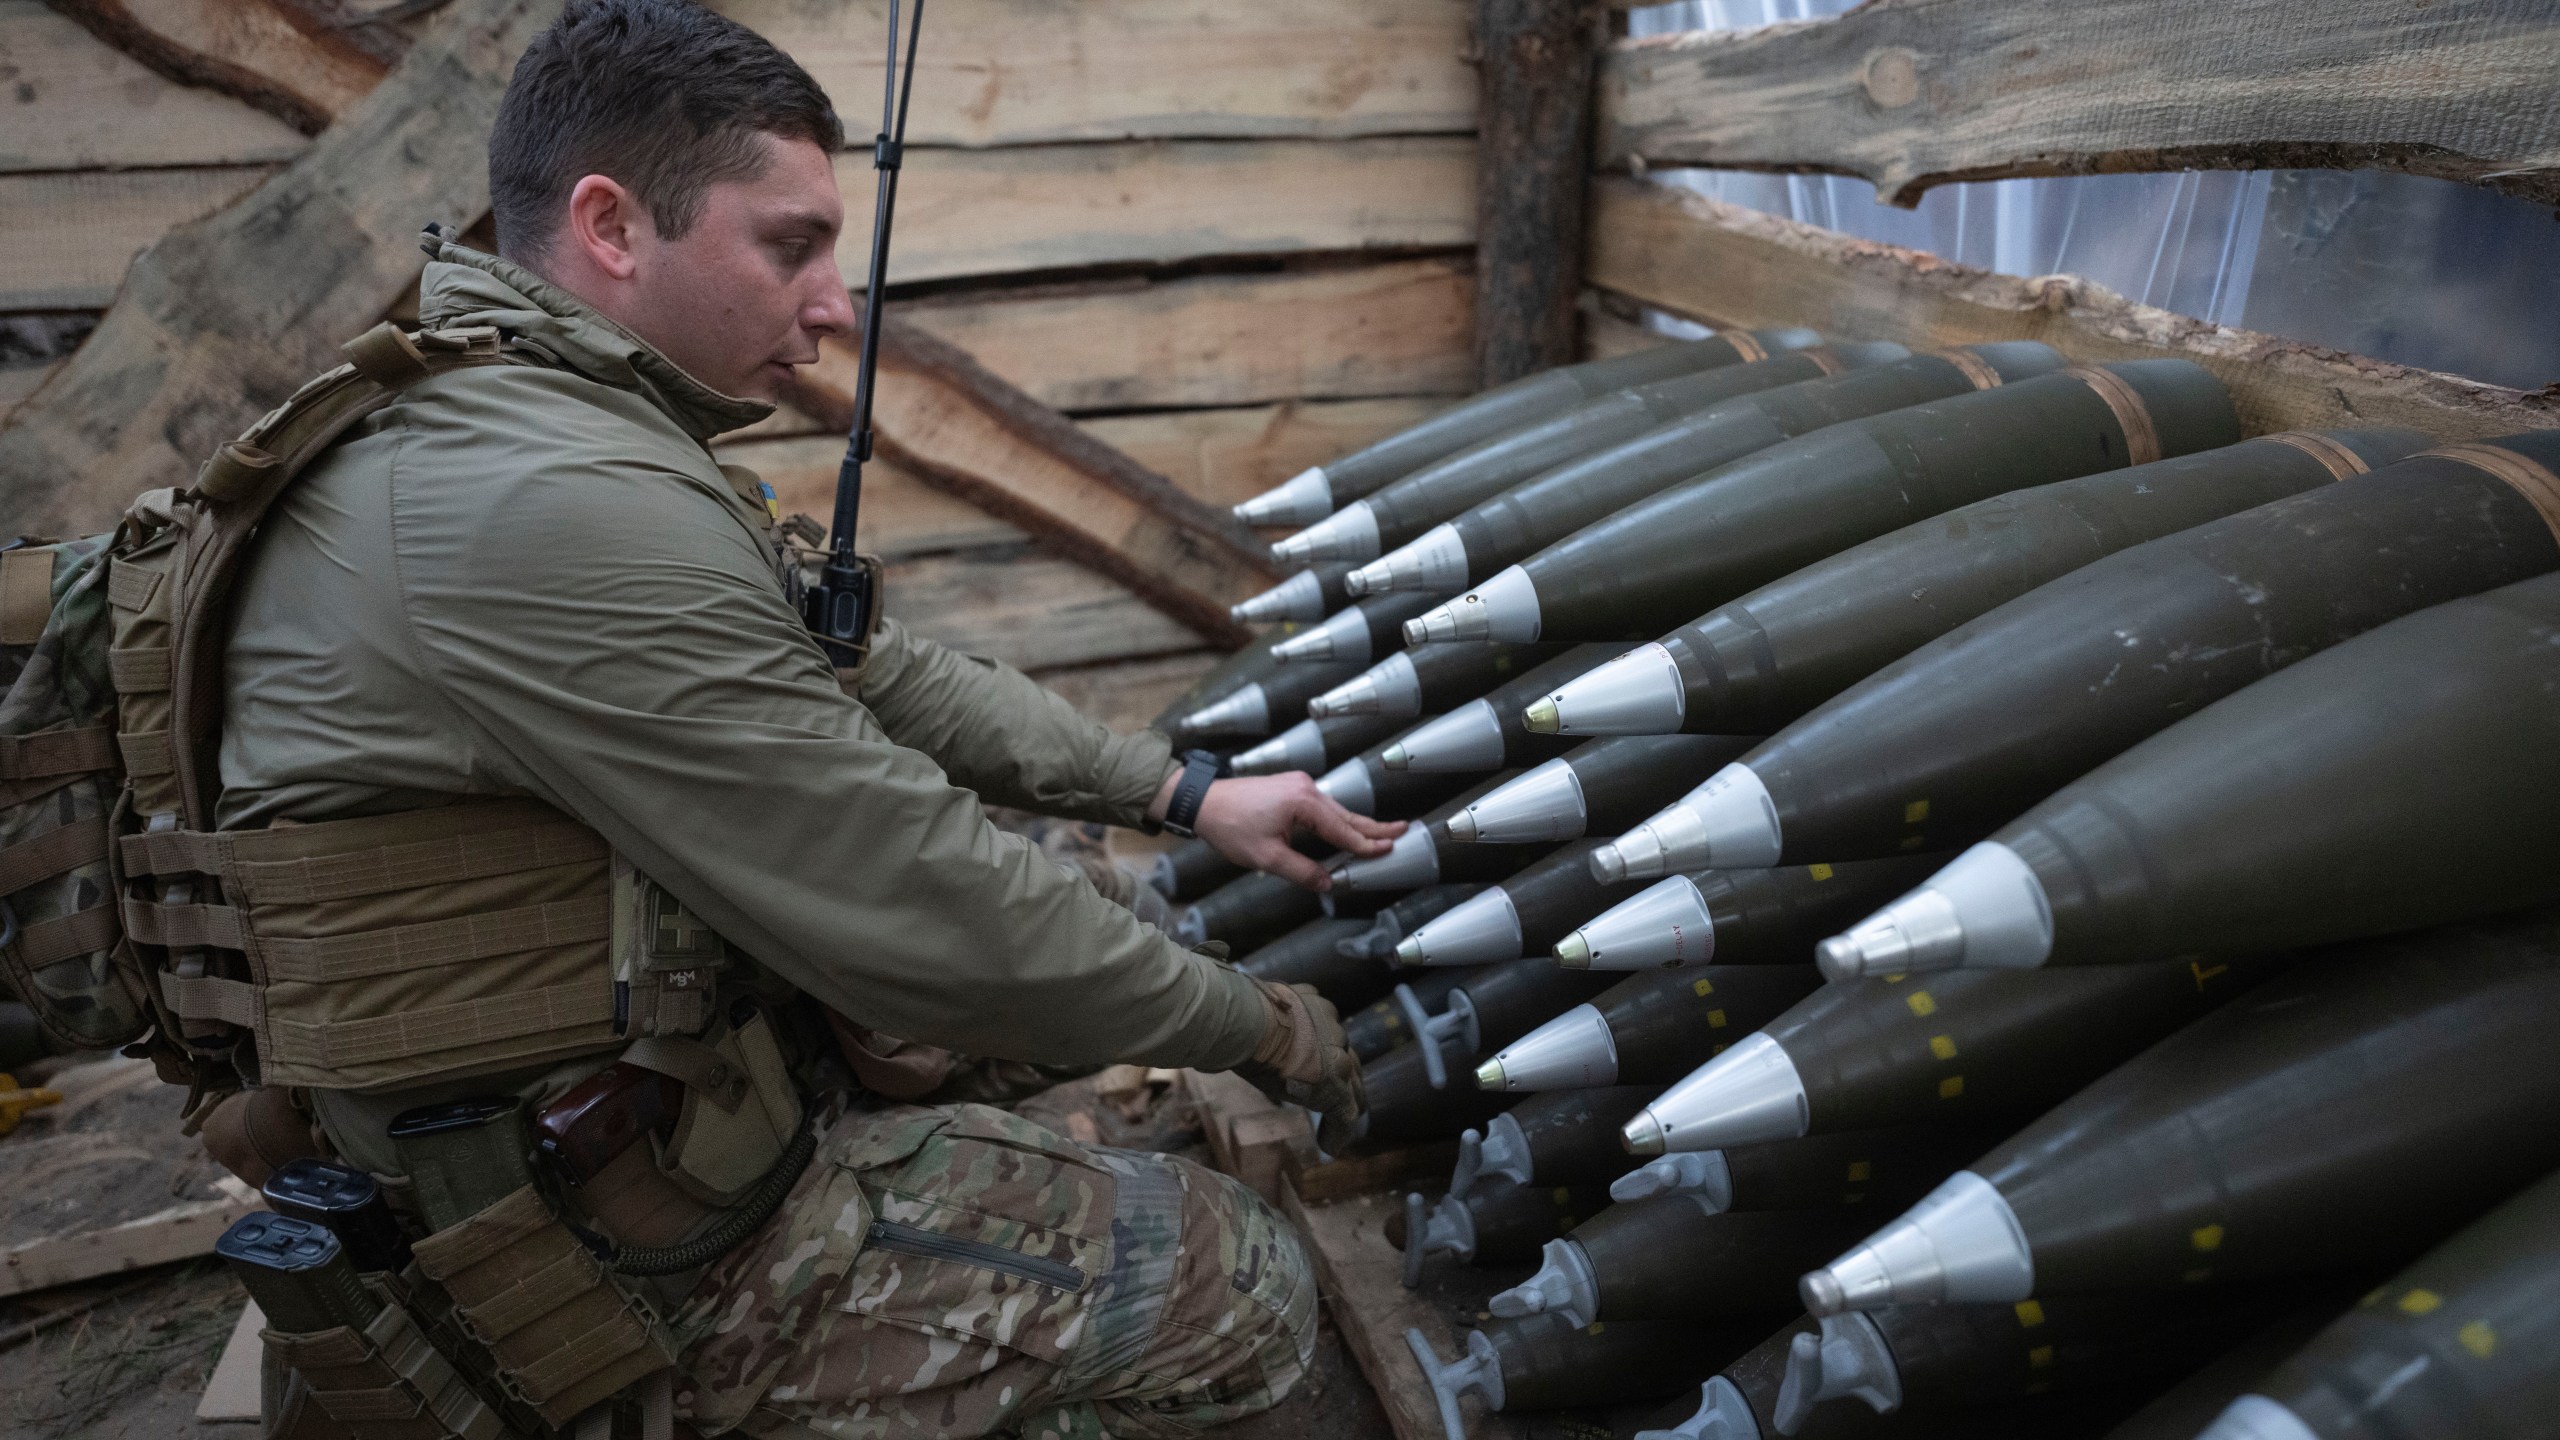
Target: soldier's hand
<point x="1305" y="1060"/>
<point x="1249" y="819"/>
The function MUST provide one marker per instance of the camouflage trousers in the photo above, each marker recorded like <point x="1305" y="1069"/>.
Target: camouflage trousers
<point x="959" y="1271"/>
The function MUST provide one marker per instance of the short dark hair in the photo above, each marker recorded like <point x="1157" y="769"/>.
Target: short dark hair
<point x="661" y="95"/>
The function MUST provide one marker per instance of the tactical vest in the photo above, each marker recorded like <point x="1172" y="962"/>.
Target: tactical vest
<point x="367" y="954"/>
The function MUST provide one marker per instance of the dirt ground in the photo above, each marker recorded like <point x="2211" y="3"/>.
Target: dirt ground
<point x="125" y="1358"/>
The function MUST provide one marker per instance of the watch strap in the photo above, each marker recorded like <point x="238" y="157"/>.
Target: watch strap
<point x="1199" y="769"/>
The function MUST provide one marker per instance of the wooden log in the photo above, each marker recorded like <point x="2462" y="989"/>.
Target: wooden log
<point x="1029" y="610"/>
<point x="67" y="236"/>
<point x="1048" y="207"/>
<point x="225" y="316"/>
<point x="1009" y="72"/>
<point x="1728" y="266"/>
<point x="1915" y="93"/>
<point x="1530" y="181"/>
<point x="75" y="102"/>
<point x="1228" y="455"/>
<point x="941" y="417"/>
<point x="1396" y="327"/>
<point x="280" y="57"/>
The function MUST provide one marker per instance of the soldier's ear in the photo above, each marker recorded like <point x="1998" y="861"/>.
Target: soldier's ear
<point x="607" y="225"/>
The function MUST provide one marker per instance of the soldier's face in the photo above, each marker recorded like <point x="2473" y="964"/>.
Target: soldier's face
<point x="748" y="290"/>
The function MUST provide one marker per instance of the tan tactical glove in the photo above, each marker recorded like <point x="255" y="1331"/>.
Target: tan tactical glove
<point x="1304" y="1059"/>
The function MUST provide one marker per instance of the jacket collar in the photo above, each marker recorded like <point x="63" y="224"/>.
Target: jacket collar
<point x="462" y="286"/>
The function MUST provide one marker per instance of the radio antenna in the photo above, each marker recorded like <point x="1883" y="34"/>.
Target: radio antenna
<point x="838" y="609"/>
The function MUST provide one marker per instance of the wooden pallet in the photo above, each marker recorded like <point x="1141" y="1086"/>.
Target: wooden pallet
<point x="1341" y="1209"/>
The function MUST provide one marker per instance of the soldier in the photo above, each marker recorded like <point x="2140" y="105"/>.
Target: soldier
<point x="532" y="579"/>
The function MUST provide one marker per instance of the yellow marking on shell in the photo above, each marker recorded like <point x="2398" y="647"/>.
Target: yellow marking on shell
<point x="2206" y="1238"/>
<point x="2204" y="972"/>
<point x="1702" y="988"/>
<point x="1595" y="1327"/>
<point x="1943" y="1046"/>
<point x="2420" y="1302"/>
<point x="2030" y="1314"/>
<point x="1563" y="1196"/>
<point x="1897" y="977"/>
<point x="1860" y="1172"/>
<point x="1914" y="843"/>
<point x="2040" y="1358"/>
<point x="1915" y="812"/>
<point x="1819" y="873"/>
<point x="2478" y="1338"/>
<point x="1951" y="1087"/>
<point x="1715" y="1019"/>
<point x="1922" y="1003"/>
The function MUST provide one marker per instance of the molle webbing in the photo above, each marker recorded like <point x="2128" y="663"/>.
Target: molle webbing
<point x="397" y="949"/>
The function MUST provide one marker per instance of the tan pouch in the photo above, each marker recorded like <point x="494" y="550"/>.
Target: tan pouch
<point x="564" y="1336"/>
<point x="384" y="1382"/>
<point x="740" y="1107"/>
<point x="666" y="962"/>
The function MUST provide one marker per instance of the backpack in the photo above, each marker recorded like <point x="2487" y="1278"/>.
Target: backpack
<point x="111" y="651"/>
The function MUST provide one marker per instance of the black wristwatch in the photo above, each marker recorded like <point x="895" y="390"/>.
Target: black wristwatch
<point x="1182" y="812"/>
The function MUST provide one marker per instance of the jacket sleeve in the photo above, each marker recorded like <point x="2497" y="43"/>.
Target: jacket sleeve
<point x="651" y="680"/>
<point x="995" y="730"/>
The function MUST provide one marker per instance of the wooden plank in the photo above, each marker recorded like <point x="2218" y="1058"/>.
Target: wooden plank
<point x="1000" y="72"/>
<point x="1042" y="207"/>
<point x="1914" y="93"/>
<point x="1027" y="609"/>
<point x="180" y="1232"/>
<point x="1428" y="1165"/>
<point x="1392" y="328"/>
<point x="233" y="1392"/>
<point x="901" y="515"/>
<point x="1228" y="455"/>
<point x="943" y="418"/>
<point x="1531" y="166"/>
<point x="73" y="101"/>
<point x="224" y="317"/>
<point x="1734" y="267"/>
<point x="1357" y="1271"/>
<point x="66" y="236"/>
<point x="281" y="57"/>
<point x="1249" y="1137"/>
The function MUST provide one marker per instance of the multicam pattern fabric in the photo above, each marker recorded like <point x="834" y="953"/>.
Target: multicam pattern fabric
<point x="855" y="1316"/>
<point x="61" y="681"/>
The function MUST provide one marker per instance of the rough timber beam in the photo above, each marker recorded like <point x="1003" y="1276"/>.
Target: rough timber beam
<point x="274" y="54"/>
<point x="1729" y="266"/>
<point x="1532" y="166"/>
<point x="1914" y="93"/>
<point x="224" y="317"/>
<point x="945" y="419"/>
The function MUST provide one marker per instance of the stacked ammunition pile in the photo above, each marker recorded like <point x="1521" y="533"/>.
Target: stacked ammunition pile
<point x="1949" y="894"/>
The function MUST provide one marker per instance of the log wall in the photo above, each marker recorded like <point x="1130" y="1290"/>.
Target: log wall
<point x="1228" y="239"/>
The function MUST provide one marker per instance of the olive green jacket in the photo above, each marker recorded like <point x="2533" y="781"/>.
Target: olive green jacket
<point x="536" y="580"/>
